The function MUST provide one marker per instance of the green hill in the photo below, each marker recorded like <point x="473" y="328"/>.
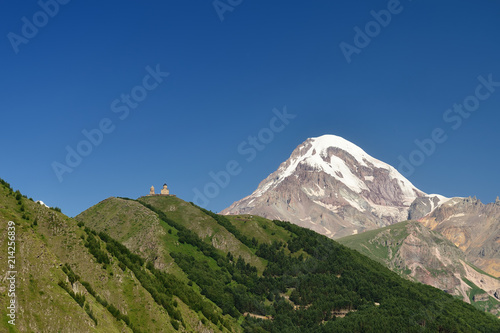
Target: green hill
<point x="69" y="281"/>
<point x="160" y="264"/>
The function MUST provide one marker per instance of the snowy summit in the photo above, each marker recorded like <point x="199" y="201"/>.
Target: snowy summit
<point x="329" y="185"/>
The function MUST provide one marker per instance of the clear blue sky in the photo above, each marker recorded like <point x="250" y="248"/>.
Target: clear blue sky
<point x="226" y="77"/>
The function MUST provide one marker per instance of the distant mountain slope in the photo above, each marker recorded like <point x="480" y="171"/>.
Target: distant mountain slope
<point x="473" y="227"/>
<point x="178" y="272"/>
<point x="332" y="186"/>
<point x="414" y="251"/>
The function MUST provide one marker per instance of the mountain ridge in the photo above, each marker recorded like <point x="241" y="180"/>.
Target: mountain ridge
<point x="426" y="256"/>
<point x="473" y="227"/>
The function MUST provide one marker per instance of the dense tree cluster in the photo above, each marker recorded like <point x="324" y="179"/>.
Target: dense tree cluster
<point x="227" y="285"/>
<point x="333" y="281"/>
<point x="94" y="247"/>
<point x="6" y="185"/>
<point x="72" y="277"/>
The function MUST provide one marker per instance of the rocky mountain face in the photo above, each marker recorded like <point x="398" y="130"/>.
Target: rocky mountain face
<point x="332" y="186"/>
<point x="426" y="256"/>
<point x="473" y="227"/>
<point x="424" y="205"/>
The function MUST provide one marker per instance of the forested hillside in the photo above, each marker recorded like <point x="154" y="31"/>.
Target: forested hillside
<point x="310" y="283"/>
<point x="160" y="264"/>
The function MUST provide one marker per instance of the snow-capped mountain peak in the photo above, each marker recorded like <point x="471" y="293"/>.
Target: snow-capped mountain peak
<point x="317" y="154"/>
<point x="333" y="186"/>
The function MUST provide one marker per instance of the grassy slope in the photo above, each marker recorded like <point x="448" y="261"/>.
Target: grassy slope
<point x="395" y="233"/>
<point x="263" y="230"/>
<point x="143" y="233"/>
<point x="38" y="260"/>
<point x="135" y="226"/>
<point x="259" y="227"/>
<point x="55" y="240"/>
<point x="204" y="226"/>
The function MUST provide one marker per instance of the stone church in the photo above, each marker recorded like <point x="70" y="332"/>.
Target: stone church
<point x="164" y="191"/>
